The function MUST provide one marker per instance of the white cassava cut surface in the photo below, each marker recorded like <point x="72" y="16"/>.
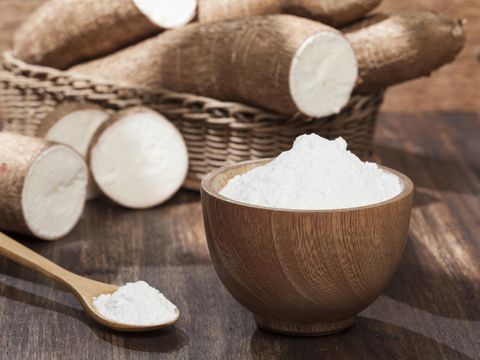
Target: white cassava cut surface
<point x="394" y="48"/>
<point x="42" y="186"/>
<point x="138" y="158"/>
<point x="61" y="33"/>
<point x="74" y="124"/>
<point x="331" y="12"/>
<point x="280" y="62"/>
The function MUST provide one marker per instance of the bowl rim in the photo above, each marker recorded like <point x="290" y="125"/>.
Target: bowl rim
<point x="206" y="187"/>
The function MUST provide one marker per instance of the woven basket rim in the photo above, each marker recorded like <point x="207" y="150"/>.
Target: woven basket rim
<point x="9" y="58"/>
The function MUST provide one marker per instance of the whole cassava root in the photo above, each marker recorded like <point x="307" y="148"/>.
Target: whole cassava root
<point x="279" y="62"/>
<point x="330" y="12"/>
<point x="391" y="49"/>
<point x="74" y="124"/>
<point x="61" y="33"/>
<point x="42" y="186"/>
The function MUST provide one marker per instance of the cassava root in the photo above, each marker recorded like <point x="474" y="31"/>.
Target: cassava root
<point x="391" y="49"/>
<point x="42" y="186"/>
<point x="138" y="158"/>
<point x="279" y="62"/>
<point x="74" y="124"/>
<point x="61" y="33"/>
<point x="330" y="12"/>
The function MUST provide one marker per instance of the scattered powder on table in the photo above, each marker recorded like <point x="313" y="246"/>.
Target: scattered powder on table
<point x="136" y="304"/>
<point x="316" y="174"/>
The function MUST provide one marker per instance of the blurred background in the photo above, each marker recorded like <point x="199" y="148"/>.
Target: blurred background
<point x="452" y="88"/>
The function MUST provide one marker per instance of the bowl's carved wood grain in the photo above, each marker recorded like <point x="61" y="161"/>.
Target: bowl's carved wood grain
<point x="303" y="272"/>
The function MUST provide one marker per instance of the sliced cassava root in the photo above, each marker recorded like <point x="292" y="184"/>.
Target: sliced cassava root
<point x="138" y="158"/>
<point x="74" y="124"/>
<point x="331" y="12"/>
<point x="391" y="49"/>
<point x="42" y="186"/>
<point x="280" y="62"/>
<point x="61" y="33"/>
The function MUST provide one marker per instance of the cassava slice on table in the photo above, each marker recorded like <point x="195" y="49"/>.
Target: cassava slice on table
<point x="138" y="158"/>
<point x="331" y="12"/>
<point x="394" y="48"/>
<point x="42" y="186"/>
<point x="74" y="124"/>
<point x="61" y="33"/>
<point x="279" y="62"/>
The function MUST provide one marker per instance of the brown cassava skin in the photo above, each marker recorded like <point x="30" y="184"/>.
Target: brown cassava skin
<point x="331" y="12"/>
<point x="246" y="60"/>
<point x="61" y="33"/>
<point x="17" y="154"/>
<point x="391" y="49"/>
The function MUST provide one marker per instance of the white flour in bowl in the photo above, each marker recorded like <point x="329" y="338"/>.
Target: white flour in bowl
<point x="316" y="174"/>
<point x="136" y="304"/>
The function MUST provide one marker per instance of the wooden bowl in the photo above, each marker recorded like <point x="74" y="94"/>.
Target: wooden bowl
<point x="303" y="272"/>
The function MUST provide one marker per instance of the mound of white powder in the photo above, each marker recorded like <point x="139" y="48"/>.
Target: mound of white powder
<point x="316" y="174"/>
<point x="136" y="304"/>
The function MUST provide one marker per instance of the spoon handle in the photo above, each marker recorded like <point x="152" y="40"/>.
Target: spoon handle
<point x="26" y="257"/>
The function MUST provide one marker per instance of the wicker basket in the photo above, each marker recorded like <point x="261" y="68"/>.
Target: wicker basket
<point x="215" y="132"/>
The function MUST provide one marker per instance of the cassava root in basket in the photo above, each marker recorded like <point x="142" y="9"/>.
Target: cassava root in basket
<point x="280" y="62"/>
<point x="74" y="124"/>
<point x="391" y="49"/>
<point x="138" y="158"/>
<point x="61" y="33"/>
<point x="331" y="12"/>
<point x="42" y="186"/>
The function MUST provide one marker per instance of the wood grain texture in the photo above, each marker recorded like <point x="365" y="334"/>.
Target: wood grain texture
<point x="303" y="272"/>
<point x="429" y="310"/>
<point x="83" y="288"/>
<point x="452" y="88"/>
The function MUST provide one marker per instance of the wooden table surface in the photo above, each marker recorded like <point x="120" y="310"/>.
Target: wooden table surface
<point x="431" y="309"/>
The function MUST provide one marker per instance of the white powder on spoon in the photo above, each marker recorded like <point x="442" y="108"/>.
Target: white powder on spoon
<point x="136" y="304"/>
<point x="316" y="174"/>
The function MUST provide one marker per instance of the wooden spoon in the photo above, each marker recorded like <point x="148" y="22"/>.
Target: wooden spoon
<point x="84" y="289"/>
